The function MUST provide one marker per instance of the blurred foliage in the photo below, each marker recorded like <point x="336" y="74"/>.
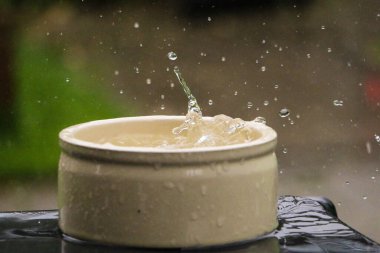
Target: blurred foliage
<point x="49" y="98"/>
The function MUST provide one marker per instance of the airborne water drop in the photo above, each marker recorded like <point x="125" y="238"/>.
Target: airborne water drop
<point x="172" y="56"/>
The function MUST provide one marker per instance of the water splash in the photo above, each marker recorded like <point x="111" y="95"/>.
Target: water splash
<point x="192" y="104"/>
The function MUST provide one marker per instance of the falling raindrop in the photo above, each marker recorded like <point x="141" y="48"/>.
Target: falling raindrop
<point x="263" y="41"/>
<point x="172" y="56"/>
<point x="284" y="112"/>
<point x="136" y="25"/>
<point x="148" y="81"/>
<point x="337" y="102"/>
<point x="373" y="178"/>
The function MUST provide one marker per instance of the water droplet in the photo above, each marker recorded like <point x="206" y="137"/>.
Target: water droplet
<point x="148" y="81"/>
<point x="169" y="185"/>
<point x="116" y="72"/>
<point x="263" y="68"/>
<point x="308" y="56"/>
<point x="284" y="150"/>
<point x="210" y="102"/>
<point x="373" y="177"/>
<point x="276" y="86"/>
<point x="266" y="103"/>
<point x="249" y="105"/>
<point x="220" y="221"/>
<point x="162" y="96"/>
<point x="284" y="112"/>
<point x="136" y="25"/>
<point x="67" y="80"/>
<point x="339" y="203"/>
<point x="337" y="102"/>
<point x="377" y="138"/>
<point x="204" y="190"/>
<point x="162" y="107"/>
<point x="365" y="197"/>
<point x="172" y="56"/>
<point x="137" y="70"/>
<point x="236" y="92"/>
<point x="121" y="92"/>
<point x="298" y="116"/>
<point x="329" y="50"/>
<point x="263" y="41"/>
<point x="261" y="120"/>
<point x="194" y="216"/>
<point x="347" y="182"/>
<point x="223" y="58"/>
<point x="208" y="19"/>
<point x="172" y="85"/>
<point x="323" y="27"/>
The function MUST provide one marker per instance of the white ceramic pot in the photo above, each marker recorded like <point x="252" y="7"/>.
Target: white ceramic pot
<point x="152" y="197"/>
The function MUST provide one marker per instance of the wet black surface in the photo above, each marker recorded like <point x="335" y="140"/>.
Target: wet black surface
<point x="305" y="225"/>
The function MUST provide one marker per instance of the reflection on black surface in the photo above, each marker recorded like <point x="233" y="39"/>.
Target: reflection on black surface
<point x="305" y="225"/>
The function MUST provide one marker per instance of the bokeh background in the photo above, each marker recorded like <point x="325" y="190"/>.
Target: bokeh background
<point x="67" y="62"/>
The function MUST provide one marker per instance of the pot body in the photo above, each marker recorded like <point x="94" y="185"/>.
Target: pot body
<point x="147" y="197"/>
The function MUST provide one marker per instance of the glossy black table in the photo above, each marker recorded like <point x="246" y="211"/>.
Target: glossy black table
<point x="306" y="224"/>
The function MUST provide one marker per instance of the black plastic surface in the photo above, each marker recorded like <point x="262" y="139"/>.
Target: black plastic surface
<point x="305" y="225"/>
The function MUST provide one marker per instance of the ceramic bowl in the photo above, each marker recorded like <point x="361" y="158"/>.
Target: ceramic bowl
<point x="164" y="198"/>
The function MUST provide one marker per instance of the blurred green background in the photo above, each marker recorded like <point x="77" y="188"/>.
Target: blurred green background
<point x="68" y="62"/>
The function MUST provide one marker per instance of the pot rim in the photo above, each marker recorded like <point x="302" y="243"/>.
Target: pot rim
<point x="74" y="146"/>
